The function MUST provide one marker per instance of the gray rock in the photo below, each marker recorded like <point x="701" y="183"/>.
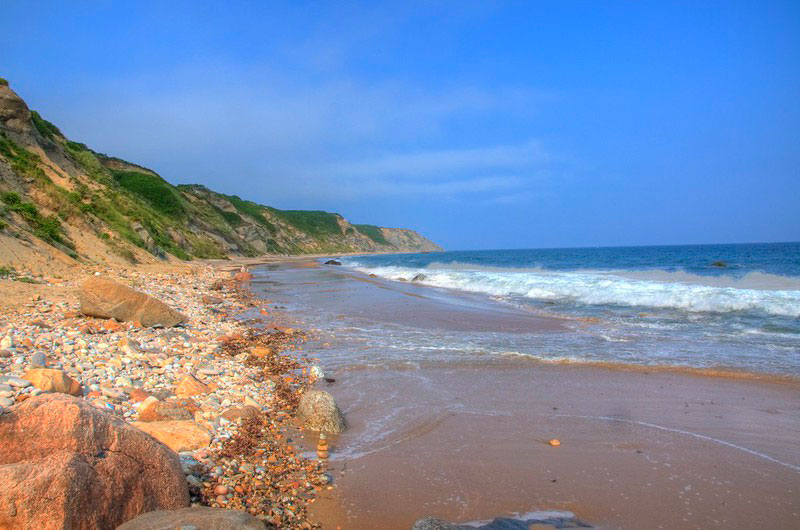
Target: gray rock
<point x="431" y="523"/>
<point x="39" y="359"/>
<point x="210" y="370"/>
<point x="17" y="382"/>
<point x="6" y="402"/>
<point x="319" y="412"/>
<point x="554" y="519"/>
<point x="419" y="277"/>
<point x="199" y="517"/>
<point x="113" y="393"/>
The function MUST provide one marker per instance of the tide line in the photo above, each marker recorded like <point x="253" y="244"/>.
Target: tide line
<point x="689" y="433"/>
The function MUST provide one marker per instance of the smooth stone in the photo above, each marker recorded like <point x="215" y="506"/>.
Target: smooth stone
<point x="116" y="395"/>
<point x="18" y="382"/>
<point x="7" y="343"/>
<point x="6" y="401"/>
<point x="39" y="359"/>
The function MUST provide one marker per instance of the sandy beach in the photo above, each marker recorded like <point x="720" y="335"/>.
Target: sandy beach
<point x="468" y="441"/>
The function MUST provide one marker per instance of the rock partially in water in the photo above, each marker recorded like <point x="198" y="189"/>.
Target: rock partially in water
<point x="719" y="264"/>
<point x="319" y="412"/>
<point x="419" y="277"/>
<point x="545" y="519"/>
<point x="333" y="262"/>
<point x="243" y="276"/>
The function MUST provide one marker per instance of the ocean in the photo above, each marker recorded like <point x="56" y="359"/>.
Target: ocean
<point x="452" y="385"/>
<point x="729" y="307"/>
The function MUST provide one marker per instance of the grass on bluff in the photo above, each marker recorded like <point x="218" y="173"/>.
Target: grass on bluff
<point x="3" y="82"/>
<point x="252" y="209"/>
<point x="47" y="228"/>
<point x="373" y="232"/>
<point x="313" y="222"/>
<point x="45" y="128"/>
<point x="154" y="189"/>
<point x="232" y="218"/>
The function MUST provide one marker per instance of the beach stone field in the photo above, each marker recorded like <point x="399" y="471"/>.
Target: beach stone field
<point x="155" y="400"/>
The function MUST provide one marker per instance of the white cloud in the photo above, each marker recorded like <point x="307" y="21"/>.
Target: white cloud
<point x="341" y="137"/>
<point x="449" y="161"/>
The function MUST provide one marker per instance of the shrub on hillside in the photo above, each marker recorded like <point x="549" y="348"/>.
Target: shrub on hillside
<point x="153" y="189"/>
<point x="45" y="128"/>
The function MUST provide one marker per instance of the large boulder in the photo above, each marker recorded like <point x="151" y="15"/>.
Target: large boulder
<point x="50" y="380"/>
<point x="67" y="464"/>
<point x="199" y="517"/>
<point x="319" y="412"/>
<point x="105" y="298"/>
<point x="178" y="435"/>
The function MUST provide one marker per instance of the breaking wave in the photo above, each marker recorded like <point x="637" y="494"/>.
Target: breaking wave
<point x="757" y="293"/>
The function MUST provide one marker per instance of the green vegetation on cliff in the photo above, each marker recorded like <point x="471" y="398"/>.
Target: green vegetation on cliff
<point x="373" y="232"/>
<point x="154" y="190"/>
<point x="45" y="128"/>
<point x="314" y="222"/>
<point x="128" y="206"/>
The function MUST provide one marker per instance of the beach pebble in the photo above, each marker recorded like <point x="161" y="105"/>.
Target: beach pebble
<point x="18" y="382"/>
<point x="39" y="359"/>
<point x="6" y="401"/>
<point x="113" y="393"/>
<point x="210" y="370"/>
<point x="221" y="489"/>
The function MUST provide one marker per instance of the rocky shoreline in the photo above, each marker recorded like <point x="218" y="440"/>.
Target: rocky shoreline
<point x="221" y="390"/>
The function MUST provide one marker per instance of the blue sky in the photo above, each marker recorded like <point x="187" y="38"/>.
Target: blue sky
<point x="481" y="124"/>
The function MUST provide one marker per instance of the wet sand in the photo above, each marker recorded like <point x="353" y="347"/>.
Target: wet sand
<point x="467" y="441"/>
<point x="637" y="450"/>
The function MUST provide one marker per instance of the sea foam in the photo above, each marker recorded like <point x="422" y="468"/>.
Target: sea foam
<point x="754" y="293"/>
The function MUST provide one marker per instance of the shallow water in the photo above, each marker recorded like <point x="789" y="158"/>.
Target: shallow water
<point x="637" y="450"/>
<point x="451" y="397"/>
<point x="639" y="305"/>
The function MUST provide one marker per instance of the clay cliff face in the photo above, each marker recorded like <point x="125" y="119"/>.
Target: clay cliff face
<point x="60" y="195"/>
